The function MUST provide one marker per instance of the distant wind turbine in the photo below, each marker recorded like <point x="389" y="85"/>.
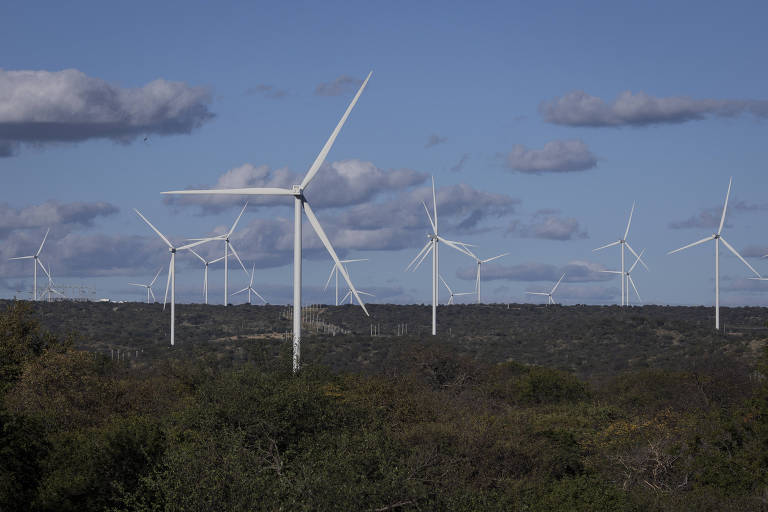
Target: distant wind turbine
<point x="300" y="203"/>
<point x="171" y="271"/>
<point x="623" y="242"/>
<point x="149" y="286"/>
<point x="431" y="246"/>
<point x="349" y="296"/>
<point x="717" y="237"/>
<point x="37" y="262"/>
<point x="550" y="293"/>
<point x="451" y="293"/>
<point x="206" y="264"/>
<point x="628" y="278"/>
<point x="250" y="289"/>
<point x="335" y="272"/>
<point x="480" y="264"/>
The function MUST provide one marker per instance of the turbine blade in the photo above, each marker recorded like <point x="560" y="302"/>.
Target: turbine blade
<point x="22" y="258"/>
<point x="611" y="271"/>
<point x="496" y="257"/>
<point x="216" y="260"/>
<point x="417" y="256"/>
<point x="319" y="230"/>
<point x="642" y="262"/>
<point x="241" y="291"/>
<point x="155" y="278"/>
<point x="324" y="152"/>
<point x="434" y="202"/>
<point x="198" y="256"/>
<point x="635" y="288"/>
<point x="558" y="284"/>
<point x="629" y="221"/>
<point x="39" y="262"/>
<point x="330" y="276"/>
<point x="238" y="258"/>
<point x="537" y="293"/>
<point x="154" y="229"/>
<point x="353" y="261"/>
<point x="136" y="284"/>
<point x="195" y="244"/>
<point x="617" y="242"/>
<point x="458" y="246"/>
<point x="259" y="296"/>
<point x="153" y="295"/>
<point x="730" y="247"/>
<point x="712" y="237"/>
<point x="637" y="260"/>
<point x="446" y="284"/>
<point x="429" y="216"/>
<point x="253" y="191"/>
<point x="722" y="218"/>
<point x="238" y="219"/>
<point x="429" y="250"/>
<point x="42" y="244"/>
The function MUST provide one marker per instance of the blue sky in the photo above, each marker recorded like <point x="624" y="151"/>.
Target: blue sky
<point x="541" y="124"/>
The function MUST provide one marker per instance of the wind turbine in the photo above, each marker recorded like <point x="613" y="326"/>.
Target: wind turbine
<point x="334" y="271"/>
<point x="349" y="295"/>
<point x="49" y="290"/>
<point x="550" y="293"/>
<point x="171" y="271"/>
<point x="479" y="264"/>
<point x="300" y="203"/>
<point x="250" y="289"/>
<point x="628" y="278"/>
<point x="452" y="293"/>
<point x="717" y="237"/>
<point x="149" y="286"/>
<point x="227" y="247"/>
<point x="206" y="263"/>
<point x="623" y="242"/>
<point x="431" y="246"/>
<point x="37" y="262"/>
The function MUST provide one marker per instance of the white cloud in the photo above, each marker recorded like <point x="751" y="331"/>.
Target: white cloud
<point x="555" y="156"/>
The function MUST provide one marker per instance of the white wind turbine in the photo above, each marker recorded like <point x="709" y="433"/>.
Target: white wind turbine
<point x="717" y="237"/>
<point x="171" y="271"/>
<point x="623" y="242"/>
<point x="335" y="272"/>
<point x="206" y="263"/>
<point x="37" y="262"/>
<point x="227" y="247"/>
<point x="349" y="296"/>
<point x="549" y="294"/>
<point x="149" y="286"/>
<point x="627" y="277"/>
<point x="431" y="246"/>
<point x="452" y="293"/>
<point x="300" y="203"/>
<point x="480" y="264"/>
<point x="50" y="290"/>
<point x="250" y="289"/>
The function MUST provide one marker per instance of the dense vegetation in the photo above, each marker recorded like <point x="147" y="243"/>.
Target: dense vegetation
<point x="459" y="422"/>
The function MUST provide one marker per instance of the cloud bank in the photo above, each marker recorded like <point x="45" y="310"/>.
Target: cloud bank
<point x="41" y="107"/>
<point x="555" y="157"/>
<point x="342" y="85"/>
<point x="547" y="224"/>
<point x="577" y="108"/>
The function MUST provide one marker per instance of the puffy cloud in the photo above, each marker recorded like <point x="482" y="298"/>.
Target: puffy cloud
<point x="577" y="271"/>
<point x="342" y="85"/>
<point x="578" y="108"/>
<point x="555" y="156"/>
<point x="65" y="216"/>
<point x="548" y="225"/>
<point x="38" y="107"/>
<point x="268" y="91"/>
<point x="434" y="140"/>
<point x="337" y="184"/>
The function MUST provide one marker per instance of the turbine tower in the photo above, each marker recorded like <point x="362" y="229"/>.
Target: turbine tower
<point x="623" y="242"/>
<point x="37" y="262"/>
<point x="550" y="293"/>
<point x="717" y="237"/>
<point x="250" y="289"/>
<point x="300" y="203"/>
<point x="171" y="272"/>
<point x="335" y="272"/>
<point x="451" y="293"/>
<point x="149" y="286"/>
<point x="431" y="246"/>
